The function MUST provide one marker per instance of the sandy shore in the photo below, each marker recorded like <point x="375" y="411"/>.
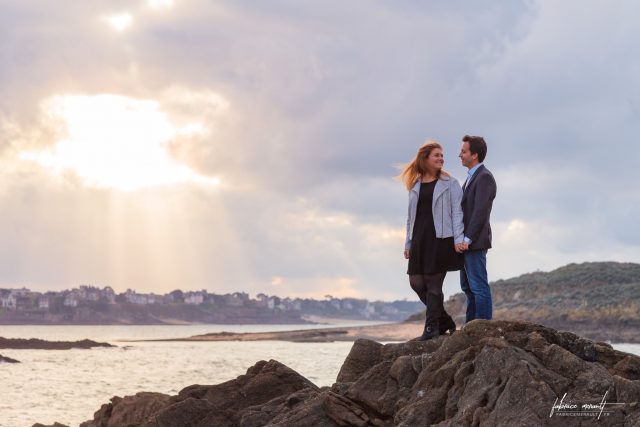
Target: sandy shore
<point x="389" y="332"/>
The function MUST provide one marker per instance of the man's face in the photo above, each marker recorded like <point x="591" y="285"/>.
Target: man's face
<point x="468" y="160"/>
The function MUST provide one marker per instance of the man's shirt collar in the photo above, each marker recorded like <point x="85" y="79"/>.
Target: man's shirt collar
<point x="473" y="170"/>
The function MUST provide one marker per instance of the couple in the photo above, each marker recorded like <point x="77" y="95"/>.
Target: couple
<point x="447" y="230"/>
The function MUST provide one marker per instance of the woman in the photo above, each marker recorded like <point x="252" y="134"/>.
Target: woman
<point x="434" y="233"/>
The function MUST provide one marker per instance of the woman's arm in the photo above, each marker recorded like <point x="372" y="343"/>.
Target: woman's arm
<point x="456" y="211"/>
<point x="407" y="241"/>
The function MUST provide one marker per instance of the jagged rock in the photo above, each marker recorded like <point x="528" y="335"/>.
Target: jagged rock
<point x="227" y="401"/>
<point x="220" y="405"/>
<point x="49" y="425"/>
<point x="491" y="373"/>
<point x="363" y="355"/>
<point x="128" y="410"/>
<point x="304" y="407"/>
<point x="4" y="359"/>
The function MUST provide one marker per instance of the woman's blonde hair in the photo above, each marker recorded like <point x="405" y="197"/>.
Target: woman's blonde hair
<point x="417" y="167"/>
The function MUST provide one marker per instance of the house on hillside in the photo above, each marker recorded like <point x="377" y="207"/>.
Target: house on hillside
<point x="88" y="293"/>
<point x="71" y="300"/>
<point x="262" y="300"/>
<point x="8" y="301"/>
<point x="236" y="299"/>
<point x="43" y="302"/>
<point x="108" y="294"/>
<point x="132" y="297"/>
<point x="193" y="298"/>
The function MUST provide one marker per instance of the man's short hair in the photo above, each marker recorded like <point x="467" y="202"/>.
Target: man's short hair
<point x="476" y="146"/>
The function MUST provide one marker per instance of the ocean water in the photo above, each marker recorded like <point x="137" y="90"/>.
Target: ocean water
<point x="69" y="386"/>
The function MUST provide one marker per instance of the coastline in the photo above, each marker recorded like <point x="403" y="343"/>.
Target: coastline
<point x="388" y="332"/>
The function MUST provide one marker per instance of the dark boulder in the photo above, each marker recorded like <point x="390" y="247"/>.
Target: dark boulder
<point x="128" y="410"/>
<point x="38" y="344"/>
<point x="4" y="359"/>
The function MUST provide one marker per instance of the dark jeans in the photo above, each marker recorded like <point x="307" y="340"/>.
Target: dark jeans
<point x="474" y="283"/>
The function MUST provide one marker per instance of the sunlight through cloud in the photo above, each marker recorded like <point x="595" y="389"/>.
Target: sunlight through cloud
<point x="120" y="22"/>
<point x="117" y="142"/>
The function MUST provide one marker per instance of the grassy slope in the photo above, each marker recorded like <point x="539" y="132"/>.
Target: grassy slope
<point x="600" y="300"/>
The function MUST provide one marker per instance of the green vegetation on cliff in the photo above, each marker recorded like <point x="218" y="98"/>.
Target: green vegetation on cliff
<point x="592" y="291"/>
<point x="599" y="300"/>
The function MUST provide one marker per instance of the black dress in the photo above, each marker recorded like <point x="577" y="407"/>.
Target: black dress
<point x="428" y="254"/>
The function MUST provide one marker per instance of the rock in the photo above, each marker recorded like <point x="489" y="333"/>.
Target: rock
<point x="128" y="410"/>
<point x="4" y="359"/>
<point x="363" y="355"/>
<point x="37" y="344"/>
<point x="304" y="407"/>
<point x="225" y="404"/>
<point x="491" y="373"/>
<point x="49" y="425"/>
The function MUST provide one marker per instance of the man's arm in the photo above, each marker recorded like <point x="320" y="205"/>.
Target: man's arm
<point x="479" y="215"/>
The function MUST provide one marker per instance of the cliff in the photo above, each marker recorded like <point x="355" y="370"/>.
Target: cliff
<point x="491" y="373"/>
<point x="597" y="300"/>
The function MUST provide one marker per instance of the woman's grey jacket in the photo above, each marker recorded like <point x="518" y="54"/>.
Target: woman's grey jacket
<point x="447" y="212"/>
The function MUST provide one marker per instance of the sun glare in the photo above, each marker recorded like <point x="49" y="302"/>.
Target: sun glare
<point x="120" y="22"/>
<point x="117" y="142"/>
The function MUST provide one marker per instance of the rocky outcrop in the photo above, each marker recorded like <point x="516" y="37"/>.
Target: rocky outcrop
<point x="491" y="373"/>
<point x="4" y="359"/>
<point x="50" y="425"/>
<point x="251" y="397"/>
<point x="37" y="344"/>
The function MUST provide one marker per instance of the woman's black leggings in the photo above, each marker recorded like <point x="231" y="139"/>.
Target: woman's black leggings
<point x="427" y="283"/>
<point x="429" y="290"/>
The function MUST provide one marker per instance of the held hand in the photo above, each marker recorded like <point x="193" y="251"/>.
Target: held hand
<point x="461" y="247"/>
<point x="406" y="254"/>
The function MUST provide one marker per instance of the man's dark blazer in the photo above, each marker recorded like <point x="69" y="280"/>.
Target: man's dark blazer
<point x="477" y="201"/>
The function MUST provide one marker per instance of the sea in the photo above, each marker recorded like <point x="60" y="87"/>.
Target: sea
<point x="68" y="386"/>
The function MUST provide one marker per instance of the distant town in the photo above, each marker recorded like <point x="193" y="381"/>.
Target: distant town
<point x="93" y="305"/>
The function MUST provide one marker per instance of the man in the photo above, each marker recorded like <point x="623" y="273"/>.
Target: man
<point x="479" y="190"/>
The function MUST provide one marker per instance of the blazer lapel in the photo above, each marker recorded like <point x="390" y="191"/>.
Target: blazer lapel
<point x="440" y="187"/>
<point x="416" y="187"/>
<point x="471" y="181"/>
<point x="473" y="178"/>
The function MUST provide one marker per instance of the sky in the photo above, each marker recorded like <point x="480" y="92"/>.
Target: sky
<point x="253" y="146"/>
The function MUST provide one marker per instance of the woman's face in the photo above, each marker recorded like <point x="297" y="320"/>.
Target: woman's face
<point x="435" y="161"/>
